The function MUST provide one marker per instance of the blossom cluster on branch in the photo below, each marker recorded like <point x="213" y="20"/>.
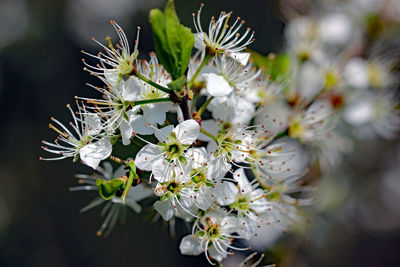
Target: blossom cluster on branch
<point x="221" y="137"/>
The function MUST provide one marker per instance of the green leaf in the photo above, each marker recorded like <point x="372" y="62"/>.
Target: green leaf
<point x="108" y="189"/>
<point x="173" y="41"/>
<point x="177" y="84"/>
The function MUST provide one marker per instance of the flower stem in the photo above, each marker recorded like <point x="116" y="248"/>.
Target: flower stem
<point x="209" y="135"/>
<point x="185" y="108"/>
<point x="156" y="85"/>
<point x="118" y="160"/>
<point x="148" y="101"/>
<point x="132" y="176"/>
<point x="202" y="64"/>
<point x="203" y="108"/>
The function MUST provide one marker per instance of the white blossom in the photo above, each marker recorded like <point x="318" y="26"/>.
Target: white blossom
<point x="221" y="37"/>
<point x="84" y="141"/>
<point x="169" y="152"/>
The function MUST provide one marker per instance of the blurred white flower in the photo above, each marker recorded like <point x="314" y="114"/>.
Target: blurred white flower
<point x="114" y="208"/>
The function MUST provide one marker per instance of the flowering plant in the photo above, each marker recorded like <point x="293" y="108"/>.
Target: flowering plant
<point x="222" y="137"/>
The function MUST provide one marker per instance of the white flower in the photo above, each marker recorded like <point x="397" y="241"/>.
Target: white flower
<point x="311" y="81"/>
<point x="231" y="75"/>
<point x="303" y="39"/>
<point x="336" y="28"/>
<point x="221" y="37"/>
<point x="265" y="93"/>
<point x="238" y="110"/>
<point x="327" y="150"/>
<point x="231" y="84"/>
<point x="153" y="113"/>
<point x="117" y="61"/>
<point x="274" y="116"/>
<point x="203" y="178"/>
<point x="281" y="158"/>
<point x="212" y="234"/>
<point x="245" y="198"/>
<point x="169" y="152"/>
<point x="93" y="153"/>
<point x="85" y="141"/>
<point x="229" y="147"/>
<point x="114" y="207"/>
<point x="374" y="72"/>
<point x="355" y="73"/>
<point x="373" y="114"/>
<point x="116" y="108"/>
<point x="176" y="194"/>
<point x="317" y="120"/>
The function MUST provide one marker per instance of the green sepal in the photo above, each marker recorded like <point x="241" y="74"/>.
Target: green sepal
<point x="173" y="41"/>
<point x="126" y="117"/>
<point x="182" y="159"/>
<point x="199" y="234"/>
<point x="177" y="84"/>
<point x="108" y="189"/>
<point x="114" y="139"/>
<point x="164" y="197"/>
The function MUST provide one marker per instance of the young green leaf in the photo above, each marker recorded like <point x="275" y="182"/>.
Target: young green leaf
<point x="173" y="41"/>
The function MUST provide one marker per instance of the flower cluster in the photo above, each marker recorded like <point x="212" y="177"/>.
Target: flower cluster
<point x="228" y="147"/>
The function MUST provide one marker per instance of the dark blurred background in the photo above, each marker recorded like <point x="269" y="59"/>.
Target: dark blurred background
<point x="41" y="71"/>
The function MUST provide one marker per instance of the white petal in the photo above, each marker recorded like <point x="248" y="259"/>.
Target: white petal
<point x="111" y="76"/>
<point x="210" y="126"/>
<point x="217" y="85"/>
<point x="154" y="113"/>
<point x="240" y="176"/>
<point x="199" y="41"/>
<point x="131" y="89"/>
<point x="216" y="254"/>
<point x="218" y="167"/>
<point x="140" y="126"/>
<point x="140" y="192"/>
<point x="359" y="112"/>
<point x="163" y="133"/>
<point x="355" y="73"/>
<point x="225" y="193"/>
<point x="190" y="245"/>
<point x="165" y="209"/>
<point x="126" y="132"/>
<point x="241" y="57"/>
<point x="162" y="170"/>
<point x="147" y="156"/>
<point x="133" y="205"/>
<point x="93" y="123"/>
<point x="310" y="81"/>
<point x="93" y="153"/>
<point x="335" y="28"/>
<point x="221" y="108"/>
<point x="243" y="112"/>
<point x="187" y="132"/>
<point x="198" y="156"/>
